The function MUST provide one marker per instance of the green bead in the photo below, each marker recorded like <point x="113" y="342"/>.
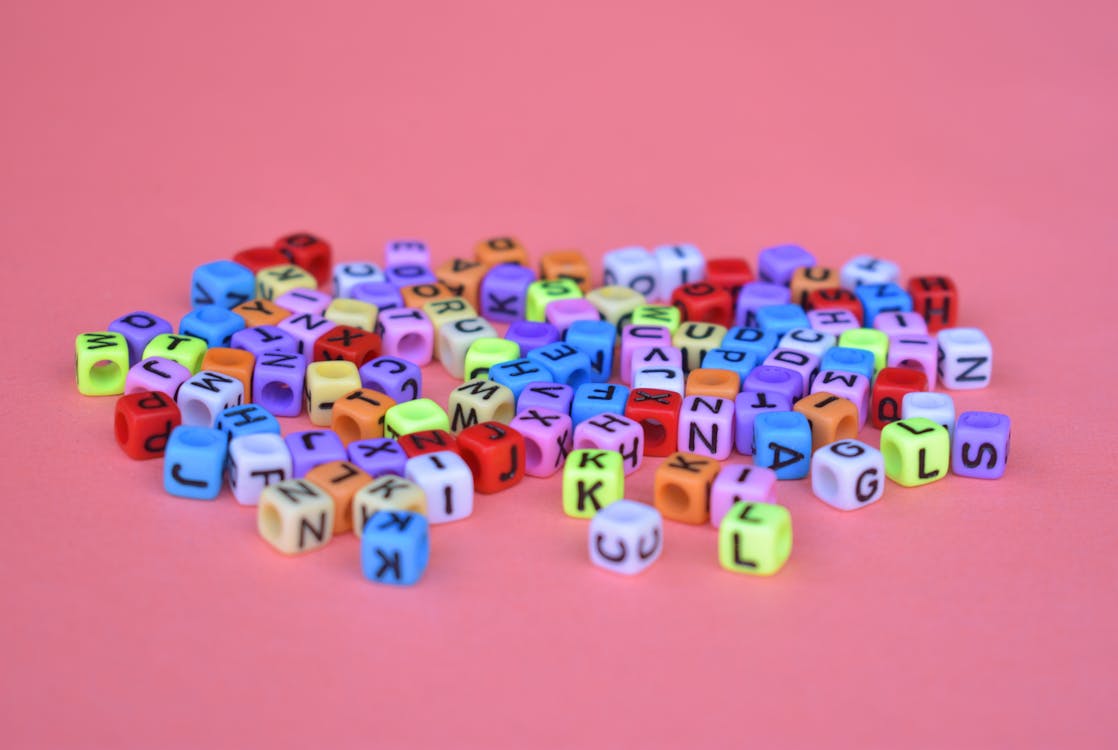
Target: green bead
<point x="101" y="363"/>
<point x="665" y="316"/>
<point x="486" y="352"/>
<point x="592" y="479"/>
<point x="872" y="340"/>
<point x="755" y="538"/>
<point x="414" y="416"/>
<point x="188" y="351"/>
<point x="543" y="293"/>
<point x="916" y="451"/>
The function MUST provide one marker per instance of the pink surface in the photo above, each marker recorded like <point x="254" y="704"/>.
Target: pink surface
<point x="969" y="138"/>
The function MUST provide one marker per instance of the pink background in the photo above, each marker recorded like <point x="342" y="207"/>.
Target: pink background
<point x="970" y="138"/>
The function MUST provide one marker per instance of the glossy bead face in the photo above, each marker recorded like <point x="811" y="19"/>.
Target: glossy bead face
<point x="263" y="339"/>
<point x="780" y="319"/>
<point x="916" y="451"/>
<point x="377" y="456"/>
<point x="615" y="303"/>
<point x="848" y="474"/>
<point x="498" y="250"/>
<point x="632" y="267"/>
<point x="261" y="312"/>
<point x="566" y="364"/>
<point x="409" y="274"/>
<point x="399" y="379"/>
<point x="341" y="480"/>
<point x="313" y="448"/>
<point x="869" y="339"/>
<point x="755" y="538"/>
<point x="156" y="374"/>
<point x="446" y="310"/>
<point x="463" y="278"/>
<point x="143" y="423"/>
<point x="223" y="283"/>
<point x="782" y="442"/>
<point x="496" y="455"/>
<point x="138" y="329"/>
<point x="657" y="412"/>
<point x="750" y="340"/>
<point x="446" y="482"/>
<point x="900" y="323"/>
<point x="486" y="352"/>
<point x="504" y="292"/>
<point x="592" y="399"/>
<point x="965" y="358"/>
<point x="915" y="351"/>
<point x="695" y="340"/>
<point x="566" y="312"/>
<point x="348" y="344"/>
<point x="878" y="299"/>
<point x="755" y="295"/>
<point x="677" y="265"/>
<point x="295" y="516"/>
<point x="517" y="374"/>
<point x="277" y="383"/>
<point x="248" y="419"/>
<point x="713" y="382"/>
<point x="655" y="356"/>
<point x="936" y="299"/>
<point x="305" y="301"/>
<point x="205" y="395"/>
<point x="386" y="493"/>
<point x="776" y="265"/>
<point x="305" y="328"/>
<point x="309" y="252"/>
<point x="381" y="294"/>
<point x="400" y="252"/>
<point x="736" y="483"/>
<point x="413" y="416"/>
<point x="530" y="335"/>
<point x="938" y="407"/>
<point x="406" y="334"/>
<point x="851" y="386"/>
<point x="889" y="389"/>
<point x="634" y="338"/>
<point x="455" y="339"/>
<point x="681" y="487"/>
<point x="831" y="418"/>
<point x="479" y="401"/>
<point x="359" y="414"/>
<point x="808" y="341"/>
<point x="832" y="321"/>
<point x="592" y="480"/>
<point x="702" y="301"/>
<point x="273" y="282"/>
<point x="566" y="264"/>
<point x="770" y="379"/>
<point x="547" y="440"/>
<point x="613" y="432"/>
<point x="706" y="426"/>
<point x="730" y="274"/>
<point x="980" y="448"/>
<point x="660" y="378"/>
<point x="866" y="269"/>
<point x="256" y="461"/>
<point x="546" y="395"/>
<point x="807" y="279"/>
<point x="747" y="406"/>
<point x="739" y="363"/>
<point x="395" y="547"/>
<point x="427" y="441"/>
<point x="664" y="316"/>
<point x="542" y="294"/>
<point x="326" y="382"/>
<point x="802" y="364"/>
<point x="101" y="363"/>
<point x="626" y="537"/>
<point x="596" y="339"/>
<point x="213" y="324"/>
<point x="194" y="462"/>
<point x="348" y="275"/>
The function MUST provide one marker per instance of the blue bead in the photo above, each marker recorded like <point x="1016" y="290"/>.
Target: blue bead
<point x="530" y="334"/>
<point x="378" y="456"/>
<point x="727" y="359"/>
<point x="592" y="399"/>
<point x="567" y="365"/>
<point x="212" y="323"/>
<point x="747" y="406"/>
<point x="879" y="298"/>
<point x="222" y="283"/>
<point x="597" y="338"/>
<point x="750" y="340"/>
<point x="776" y="265"/>
<point x="847" y="359"/>
<point x="516" y="374"/>
<point x="194" y="463"/>
<point x="782" y="442"/>
<point x="755" y="295"/>
<point x="780" y="319"/>
<point x="247" y="419"/>
<point x="395" y="547"/>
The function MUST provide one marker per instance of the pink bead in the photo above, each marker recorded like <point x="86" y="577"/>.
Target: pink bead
<point x="895" y="323"/>
<point x="802" y="363"/>
<point x="305" y="301"/>
<point x="613" y="432"/>
<point x="563" y="312"/>
<point x="406" y="252"/>
<point x="654" y="356"/>
<point x="634" y="337"/>
<point x="406" y="333"/>
<point x="547" y="440"/>
<point x="156" y="374"/>
<point x="915" y="350"/>
<point x="738" y="482"/>
<point x="305" y="328"/>
<point x="834" y="322"/>
<point x="848" y="385"/>
<point x="706" y="426"/>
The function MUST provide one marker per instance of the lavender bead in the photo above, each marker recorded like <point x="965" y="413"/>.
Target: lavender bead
<point x="313" y="448"/>
<point x="277" y="382"/>
<point x="138" y="329"/>
<point x="778" y="379"/>
<point x="305" y="301"/>
<point x="777" y="264"/>
<point x="305" y="328"/>
<point x="755" y="295"/>
<point x="264" y="339"/>
<point x="378" y="456"/>
<point x="564" y="313"/>
<point x="980" y="445"/>
<point x="504" y="292"/>
<point x="546" y="395"/>
<point x="156" y="374"/>
<point x="409" y="274"/>
<point x="746" y="408"/>
<point x="380" y="293"/>
<point x="532" y="335"/>
<point x="396" y="378"/>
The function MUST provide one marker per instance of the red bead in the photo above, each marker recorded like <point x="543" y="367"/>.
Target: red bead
<point x="889" y="389"/>
<point x="144" y="421"/>
<point x="936" y="299"/>
<point x="346" y="342"/>
<point x="310" y="253"/>
<point x="705" y="302"/>
<point x="257" y="259"/>
<point x="835" y="299"/>
<point x="495" y="454"/>
<point x="427" y="441"/>
<point x="657" y="411"/>
<point x="730" y="274"/>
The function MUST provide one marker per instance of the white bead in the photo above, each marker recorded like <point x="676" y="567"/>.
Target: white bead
<point x="455" y="339"/>
<point x="406" y="253"/>
<point x="866" y="269"/>
<point x="446" y="481"/>
<point x="966" y="358"/>
<point x="808" y="341"/>
<point x="848" y="474"/>
<point x="938" y="407"/>
<point x="897" y="323"/>
<point x="678" y="265"/>
<point x="256" y="461"/>
<point x="633" y="267"/>
<point x="662" y="378"/>
<point x="206" y="395"/>
<point x="349" y="275"/>
<point x="626" y="537"/>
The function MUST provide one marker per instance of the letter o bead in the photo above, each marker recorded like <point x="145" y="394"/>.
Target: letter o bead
<point x="848" y="474"/>
<point x="626" y="537"/>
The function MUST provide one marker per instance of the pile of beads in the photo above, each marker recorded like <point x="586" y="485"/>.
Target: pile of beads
<point x="676" y="356"/>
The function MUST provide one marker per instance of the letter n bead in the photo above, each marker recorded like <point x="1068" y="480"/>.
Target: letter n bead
<point x="706" y="426"/>
<point x="592" y="479"/>
<point x="965" y="358"/>
<point x="447" y="483"/>
<point x="848" y="474"/>
<point x="395" y="547"/>
<point x="495" y="454"/>
<point x="681" y="487"/>
<point x="626" y="537"/>
<point x="143" y="423"/>
<point x="917" y="451"/>
<point x="295" y="516"/>
<point x="755" y="538"/>
<point x="613" y="432"/>
<point x="980" y="447"/>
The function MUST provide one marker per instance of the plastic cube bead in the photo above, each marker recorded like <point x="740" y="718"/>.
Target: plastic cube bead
<point x="737" y="362"/>
<point x="456" y="338"/>
<point x="194" y="462"/>
<point x="746" y="408"/>
<point x="386" y="493"/>
<point x="966" y="358"/>
<point x="615" y="303"/>
<point x="101" y="363"/>
<point x="325" y="383"/>
<point x="678" y="265"/>
<point x="848" y="359"/>
<point x="740" y="483"/>
<point x="540" y="294"/>
<point x="463" y="278"/>
<point x="613" y="432"/>
<point x="866" y="269"/>
<point x="980" y="446"/>
<point x="695" y="340"/>
<point x="704" y="302"/>
<point x="348" y="275"/>
<point x="938" y="407"/>
<point x="248" y="419"/>
<point x="313" y="448"/>
<point x="596" y="339"/>
<point x="750" y="341"/>
<point x="380" y="294"/>
<point x="345" y="343"/>
<point x="447" y="483"/>
<point x="306" y="329"/>
<point x="663" y="316"/>
<point x="517" y="374"/>
<point x="809" y="341"/>
<point x="660" y="378"/>
<point x="808" y="279"/>
<point x="395" y="548"/>
<point x="706" y="426"/>
<point x="143" y="423"/>
<point x="478" y="401"/>
<point x="311" y="253"/>
<point x="655" y="356"/>
<point x="834" y="300"/>
<point x="446" y="310"/>
<point x="881" y="298"/>
<point x="657" y="412"/>
<point x="830" y="417"/>
<point x="396" y="378"/>
<point x="504" y="292"/>
<point x="206" y="395"/>
<point x="869" y="339"/>
<point x="156" y="374"/>
<point x="341" y="480"/>
<point x="399" y="252"/>
<point x="377" y="457"/>
<point x="633" y="267"/>
<point x="566" y="312"/>
<point x="802" y="364"/>
<point x="295" y="516"/>
<point x="592" y="399"/>
<point x="138" y="329"/>
<point x="261" y="312"/>
<point x="530" y="335"/>
<point x="256" y="461"/>
<point x="782" y="442"/>
<point x="681" y="487"/>
<point x="223" y="283"/>
<point x="592" y="480"/>
<point x="566" y="264"/>
<point x="496" y="455"/>
<point x="777" y="265"/>
<point x="359" y="414"/>
<point x="566" y="364"/>
<point x="427" y="441"/>
<point x="213" y="324"/>
<point x="730" y="274"/>
<point x="833" y="322"/>
<point x="256" y="259"/>
<point x="780" y="319"/>
<point x="936" y="299"/>
<point x="916" y="352"/>
<point x="305" y="301"/>
<point x="498" y="250"/>
<point x="406" y="334"/>
<point x="547" y="440"/>
<point x="276" y="281"/>
<point x="414" y="416"/>
<point x="635" y="337"/>
<point x="626" y="537"/>
<point x="409" y="274"/>
<point x="713" y="382"/>
<point x="850" y="386"/>
<point x="418" y="295"/>
<point x="264" y="339"/>
<point x="889" y="389"/>
<point x="278" y="380"/>
<point x="546" y="395"/>
<point x="848" y="474"/>
<point x="755" y="538"/>
<point x="775" y="380"/>
<point x="236" y="363"/>
<point x="898" y="323"/>
<point x="486" y="352"/>
<point x="917" y="451"/>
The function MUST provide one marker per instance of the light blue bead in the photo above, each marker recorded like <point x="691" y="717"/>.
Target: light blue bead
<point x="395" y="547"/>
<point x="592" y="399"/>
<point x="597" y="338"/>
<point x="247" y="419"/>
<point x="780" y="319"/>
<point x="222" y="283"/>
<point x="879" y="298"/>
<point x="195" y="462"/>
<point x="741" y="363"/>
<point x="848" y="359"/>
<point x="755" y="295"/>
<point x="516" y="374"/>
<point x="213" y="324"/>
<point x="750" y="340"/>
<point x="782" y="442"/>
<point x="567" y="365"/>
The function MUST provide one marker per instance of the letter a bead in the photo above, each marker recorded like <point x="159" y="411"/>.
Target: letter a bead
<point x="395" y="547"/>
<point x="755" y="538"/>
<point x="592" y="479"/>
<point x="626" y="537"/>
<point x="782" y="442"/>
<point x="295" y="516"/>
<point x="848" y="474"/>
<point x="917" y="451"/>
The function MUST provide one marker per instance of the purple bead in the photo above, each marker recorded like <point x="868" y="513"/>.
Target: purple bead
<point x="546" y="395"/>
<point x="777" y="264"/>
<point x="613" y="432"/>
<point x="707" y="427"/>
<point x="755" y="295"/>
<point x="306" y="328"/>
<point x="504" y="292"/>
<point x="277" y="382"/>
<point x="396" y="378"/>
<point x="779" y="379"/>
<point x="313" y="448"/>
<point x="264" y="339"/>
<point x="378" y="456"/>
<point x="802" y="363"/>
<point x="138" y="329"/>
<point x="305" y="301"/>
<point x="638" y="337"/>
<point x="156" y="374"/>
<point x="746" y="408"/>
<point x="406" y="252"/>
<point x="532" y="335"/>
<point x="980" y="445"/>
<point x="409" y="274"/>
<point x="380" y="293"/>
<point x="563" y="313"/>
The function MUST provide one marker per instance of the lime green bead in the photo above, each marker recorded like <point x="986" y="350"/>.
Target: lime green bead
<point x="486" y="352"/>
<point x="872" y="340"/>
<point x="188" y="351"/>
<point x="415" y="416"/>
<point x="916" y="451"/>
<point x="543" y="293"/>
<point x="665" y="316"/>
<point x="101" y="363"/>
<point x="592" y="479"/>
<point x="755" y="538"/>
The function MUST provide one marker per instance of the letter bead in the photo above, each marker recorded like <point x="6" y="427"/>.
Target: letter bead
<point x="566" y="364"/>
<point x="889" y="389"/>
<point x="613" y="432"/>
<point x="504" y="292"/>
<point x="592" y="399"/>
<point x="626" y="537"/>
<point x="848" y="474"/>
<point x="194" y="462"/>
<point x="409" y="274"/>
<point x="101" y="363"/>
<point x="352" y="312"/>
<point x="936" y="299"/>
<point x="247" y="419"/>
<point x="277" y="383"/>
<point x="847" y="359"/>
<point x="564" y="313"/>
<point x="730" y="274"/>
<point x="530" y="335"/>
<point x="851" y="386"/>
<point x="442" y="311"/>
<point x="808" y="341"/>
<point x="882" y="298"/>
<point x="387" y="493"/>
<point x="380" y="294"/>
<point x="657" y="412"/>
<point x="711" y="381"/>
<point x="678" y="265"/>
<point x="615" y="303"/>
<point x="313" y="448"/>
<point x="916" y="451"/>
<point x="261" y="312"/>
<point x="938" y="407"/>
<point x="495" y="454"/>
<point x="755" y="295"/>
<point x="377" y="457"/>
<point x="917" y="352"/>
<point x="446" y="482"/>
<point x="777" y="265"/>
<point x="156" y="374"/>
<point x="455" y="339"/>
<point x="326" y="382"/>
<point x="348" y="344"/>
<point x="547" y="440"/>
<point x="782" y="442"/>
<point x="632" y="267"/>
<point x="213" y="324"/>
<point x="660" y="378"/>
<point x="263" y="339"/>
<point x="750" y="341"/>
<point x="274" y="282"/>
<point x="664" y="316"/>
<point x="541" y="294"/>
<point x="775" y="380"/>
<point x="498" y="250"/>
<point x="517" y="374"/>
<point x="898" y="323"/>
<point x="236" y="363"/>
<point x="348" y="275"/>
<point x="869" y="339"/>
<point x="965" y="358"/>
<point x="295" y="516"/>
<point x="206" y="395"/>
<point x="706" y="426"/>
<point x="305" y="301"/>
<point x="256" y="461"/>
<point x="360" y="414"/>
<point x="736" y="483"/>
<point x="781" y="319"/>
<point x="486" y="352"/>
<point x="396" y="378"/>
<point x="633" y="338"/>
<point x="256" y="259"/>
<point x="418" y="295"/>
<point x="414" y="416"/>
<point x="477" y="401"/>
<point x="597" y="339"/>
<point x="406" y="334"/>
<point x="980" y="448"/>
<point x="312" y="254"/>
<point x="395" y="548"/>
<point x="681" y="487"/>
<point x="746" y="408"/>
<point x="702" y="301"/>
<point x="592" y="480"/>
<point x="833" y="322"/>
<point x="830" y="417"/>
<point x="143" y="423"/>
<point x="866" y="269"/>
<point x="427" y="441"/>
<point x="399" y="252"/>
<point x="223" y="283"/>
<point x="546" y="395"/>
<point x="655" y="356"/>
<point x="566" y="264"/>
<point x="695" y="340"/>
<point x="463" y="278"/>
<point x="804" y="365"/>
<point x="341" y="480"/>
<point x="305" y="328"/>
<point x="138" y="329"/>
<point x="807" y="279"/>
<point x="755" y="538"/>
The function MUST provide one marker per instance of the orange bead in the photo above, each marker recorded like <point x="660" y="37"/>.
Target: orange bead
<point x="418" y="295"/>
<point x="236" y="363"/>
<point x="711" y="381"/>
<point x="496" y="250"/>
<point x="566" y="264"/>
<point x="261" y="312"/>
<point x="340" y="480"/>
<point x="359" y="415"/>
<point x="681" y="487"/>
<point x="831" y="418"/>
<point x="462" y="278"/>
<point x="807" y="279"/>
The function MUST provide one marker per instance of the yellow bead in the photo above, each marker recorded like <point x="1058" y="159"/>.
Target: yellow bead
<point x="615" y="303"/>
<point x="352" y="312"/>
<point x="188" y="351"/>
<point x="694" y="340"/>
<point x="389" y="492"/>
<point x="916" y="451"/>
<point x="101" y="363"/>
<point x="275" y="281"/>
<point x="326" y="382"/>
<point x="665" y="316"/>
<point x="478" y="401"/>
<point x="295" y="516"/>
<point x="755" y="538"/>
<point x="415" y="416"/>
<point x="448" y="310"/>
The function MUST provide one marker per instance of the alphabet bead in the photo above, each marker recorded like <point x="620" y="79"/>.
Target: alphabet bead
<point x="313" y="448"/>
<point x="803" y="365"/>
<point x="706" y="426"/>
<point x="530" y="335"/>
<point x="479" y="401"/>
<point x="936" y="299"/>
<point x="709" y="381"/>
<point x="566" y="364"/>
<point x="517" y="374"/>
<point x="678" y="265"/>
<point x="351" y="312"/>
<point x="848" y="359"/>
<point x="236" y="363"/>
<point x="566" y="312"/>
<point x="664" y="316"/>
<point x="866" y="269"/>
<point x="213" y="324"/>
<point x="615" y="303"/>
<point x="542" y="293"/>
<point x="889" y="388"/>
<point x="277" y="383"/>
<point x="898" y="323"/>
<point x="880" y="298"/>
<point x="418" y="295"/>
<point x="938" y="407"/>
<point x="156" y="374"/>
<point x="399" y="252"/>
<point x="566" y="264"/>
<point x="194" y="462"/>
<point x="348" y="275"/>
<point x="655" y="356"/>
<point x="681" y="487"/>
<point x="695" y="340"/>
<point x="747" y="406"/>
<point x="387" y="493"/>
<point x="455" y="339"/>
<point x="138" y="329"/>
<point x="776" y="265"/>
<point x="247" y="419"/>
<point x="205" y="395"/>
<point x="360" y="414"/>
<point x="295" y="516"/>
<point x="755" y="295"/>
<point x="704" y="302"/>
<point x="736" y="483"/>
<point x="497" y="250"/>
<point x="915" y="351"/>
<point x="486" y="352"/>
<point x="807" y="279"/>
<point x="835" y="300"/>
<point x="775" y="380"/>
<point x="626" y="537"/>
<point x="396" y="378"/>
<point x="847" y="474"/>
<point x="305" y="328"/>
<point x="808" y="341"/>
<point x="325" y="383"/>
<point x="547" y="440"/>
<point x="395" y="548"/>
<point x="341" y="480"/>
<point x="380" y="294"/>
<point x="980" y="447"/>
<point x="916" y="451"/>
<point x="632" y="267"/>
<point x="830" y="417"/>
<point x="414" y="416"/>
<point x="782" y="442"/>
<point x="223" y="283"/>
<point x="873" y="341"/>
<point x="275" y="281"/>
<point x="305" y="301"/>
<point x="851" y="386"/>
<point x="596" y="339"/>
<point x="546" y="395"/>
<point x="635" y="337"/>
<point x="143" y="423"/>
<point x="495" y="454"/>
<point x="660" y="378"/>
<point x="256" y="259"/>
<point x="613" y="432"/>
<point x="504" y="292"/>
<point x="377" y="457"/>
<point x="728" y="360"/>
<point x="264" y="339"/>
<point x="463" y="278"/>
<point x="406" y="334"/>
<point x="965" y="358"/>
<point x="657" y="412"/>
<point x="592" y="480"/>
<point x="592" y="399"/>
<point x="755" y="538"/>
<point x="833" y="322"/>
<point x="409" y="274"/>
<point x="256" y="461"/>
<point x="348" y="344"/>
<point x="781" y="319"/>
<point x="447" y="483"/>
<point x="750" y="341"/>
<point x="446" y="310"/>
<point x="261" y="312"/>
<point x="311" y="253"/>
<point x="427" y="441"/>
<point x="101" y="363"/>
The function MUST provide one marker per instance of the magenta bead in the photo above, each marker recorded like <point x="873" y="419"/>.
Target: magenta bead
<point x="547" y="440"/>
<point x="563" y="313"/>
<point x="613" y="432"/>
<point x="737" y="482"/>
<point x="848" y="385"/>
<point x="635" y="337"/>
<point x="407" y="334"/>
<point x="706" y="426"/>
<point x="156" y="374"/>
<point x="305" y="328"/>
<point x="897" y="323"/>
